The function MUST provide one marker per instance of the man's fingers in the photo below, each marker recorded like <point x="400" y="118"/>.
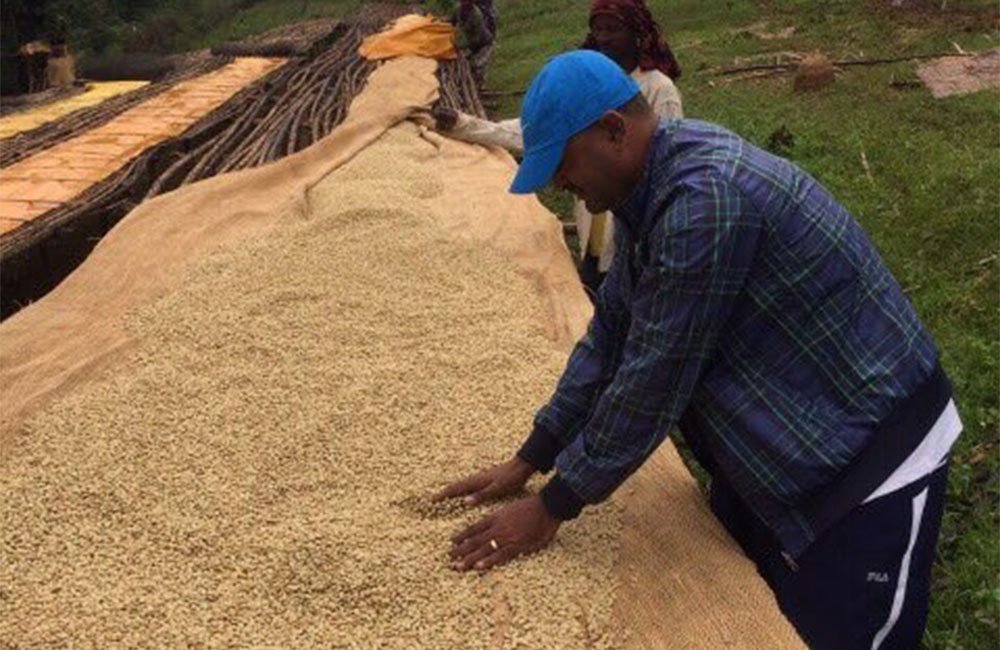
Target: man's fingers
<point x="485" y="493"/>
<point x="502" y="555"/>
<point x="471" y="559"/>
<point x="469" y="544"/>
<point x="466" y="486"/>
<point x="475" y="529"/>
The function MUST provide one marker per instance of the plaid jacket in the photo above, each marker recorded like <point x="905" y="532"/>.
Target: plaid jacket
<point x="746" y="305"/>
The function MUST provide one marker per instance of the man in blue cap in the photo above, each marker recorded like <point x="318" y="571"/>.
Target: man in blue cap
<point x="748" y="308"/>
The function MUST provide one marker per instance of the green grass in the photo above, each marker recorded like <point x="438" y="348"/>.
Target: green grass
<point x="930" y="198"/>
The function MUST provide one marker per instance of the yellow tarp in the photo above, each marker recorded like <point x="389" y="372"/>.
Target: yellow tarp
<point x="412" y="35"/>
<point x="95" y="94"/>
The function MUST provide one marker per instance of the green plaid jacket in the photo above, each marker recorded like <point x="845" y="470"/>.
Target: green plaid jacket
<point x="747" y="305"/>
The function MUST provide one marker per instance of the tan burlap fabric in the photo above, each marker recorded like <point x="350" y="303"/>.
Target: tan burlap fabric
<point x="681" y="581"/>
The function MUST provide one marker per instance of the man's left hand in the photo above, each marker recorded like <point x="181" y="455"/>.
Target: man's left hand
<point x="518" y="528"/>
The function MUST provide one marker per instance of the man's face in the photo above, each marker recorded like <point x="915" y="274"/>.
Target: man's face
<point x="594" y="165"/>
<point x="614" y="40"/>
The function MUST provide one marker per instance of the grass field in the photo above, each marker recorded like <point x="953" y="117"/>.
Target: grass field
<point x="922" y="176"/>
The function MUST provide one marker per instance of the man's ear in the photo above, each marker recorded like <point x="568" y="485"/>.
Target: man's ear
<point x="615" y="126"/>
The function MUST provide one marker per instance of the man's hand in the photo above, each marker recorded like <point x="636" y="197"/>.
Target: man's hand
<point x="445" y="118"/>
<point x="494" y="483"/>
<point x="518" y="528"/>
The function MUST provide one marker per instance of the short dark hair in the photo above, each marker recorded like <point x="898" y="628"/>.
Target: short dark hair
<point x="635" y="107"/>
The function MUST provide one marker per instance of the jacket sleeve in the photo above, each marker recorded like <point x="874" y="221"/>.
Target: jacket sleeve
<point x="699" y="256"/>
<point x="588" y="371"/>
<point x="505" y="134"/>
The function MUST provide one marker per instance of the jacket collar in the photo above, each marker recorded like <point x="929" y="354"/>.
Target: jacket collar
<point x="632" y="211"/>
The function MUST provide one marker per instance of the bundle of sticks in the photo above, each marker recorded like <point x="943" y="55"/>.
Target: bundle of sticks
<point x="458" y="87"/>
<point x="296" y="106"/>
<point x="293" y="107"/>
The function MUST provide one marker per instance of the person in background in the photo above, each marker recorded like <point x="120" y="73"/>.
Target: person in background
<point x="626" y="32"/>
<point x="60" y="70"/>
<point x="477" y="24"/>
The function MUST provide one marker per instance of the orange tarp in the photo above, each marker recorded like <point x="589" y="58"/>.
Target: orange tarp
<point x="412" y="35"/>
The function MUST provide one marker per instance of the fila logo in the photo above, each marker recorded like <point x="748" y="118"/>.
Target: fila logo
<point x="878" y="576"/>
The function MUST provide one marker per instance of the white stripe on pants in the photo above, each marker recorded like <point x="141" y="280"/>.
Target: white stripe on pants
<point x="904" y="570"/>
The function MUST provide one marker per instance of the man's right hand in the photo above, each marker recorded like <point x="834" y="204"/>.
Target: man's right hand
<point x="494" y="483"/>
<point x="445" y="118"/>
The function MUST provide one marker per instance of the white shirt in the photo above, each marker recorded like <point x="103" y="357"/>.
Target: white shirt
<point x="928" y="456"/>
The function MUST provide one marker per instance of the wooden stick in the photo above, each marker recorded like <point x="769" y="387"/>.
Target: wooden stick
<point x="502" y="93"/>
<point x="842" y="63"/>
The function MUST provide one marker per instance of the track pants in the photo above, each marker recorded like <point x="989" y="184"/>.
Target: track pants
<point x="865" y="582"/>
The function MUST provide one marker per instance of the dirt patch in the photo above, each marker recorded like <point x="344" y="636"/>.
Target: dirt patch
<point x="961" y="75"/>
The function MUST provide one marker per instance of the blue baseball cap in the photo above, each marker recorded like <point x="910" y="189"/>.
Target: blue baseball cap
<point x="571" y="92"/>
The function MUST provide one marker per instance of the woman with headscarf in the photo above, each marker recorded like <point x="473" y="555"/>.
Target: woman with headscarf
<point x="626" y="32"/>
